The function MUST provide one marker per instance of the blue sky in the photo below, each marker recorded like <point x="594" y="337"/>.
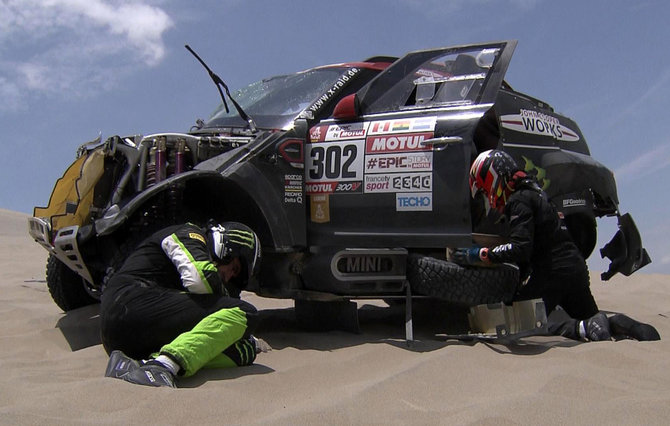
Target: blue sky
<point x="71" y="69"/>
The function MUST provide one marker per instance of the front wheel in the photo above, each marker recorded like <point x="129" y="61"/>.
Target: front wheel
<point x="66" y="287"/>
<point x="459" y="284"/>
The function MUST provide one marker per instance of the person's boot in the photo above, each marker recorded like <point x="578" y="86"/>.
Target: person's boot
<point x="623" y="326"/>
<point x="149" y="373"/>
<point x="120" y="364"/>
<point x="596" y="328"/>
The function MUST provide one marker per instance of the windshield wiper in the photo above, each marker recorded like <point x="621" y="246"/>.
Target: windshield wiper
<point x="217" y="80"/>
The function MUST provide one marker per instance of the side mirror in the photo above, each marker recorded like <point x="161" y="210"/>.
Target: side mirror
<point x="348" y="108"/>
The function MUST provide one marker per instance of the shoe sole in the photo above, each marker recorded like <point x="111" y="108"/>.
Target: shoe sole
<point x="623" y="325"/>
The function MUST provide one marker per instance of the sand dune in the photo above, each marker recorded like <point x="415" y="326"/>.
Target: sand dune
<point x="52" y="365"/>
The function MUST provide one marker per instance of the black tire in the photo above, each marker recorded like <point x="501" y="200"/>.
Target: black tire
<point x="583" y="232"/>
<point x="66" y="287"/>
<point x="461" y="285"/>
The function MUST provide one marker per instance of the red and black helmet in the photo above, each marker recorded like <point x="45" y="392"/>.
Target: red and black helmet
<point x="492" y="173"/>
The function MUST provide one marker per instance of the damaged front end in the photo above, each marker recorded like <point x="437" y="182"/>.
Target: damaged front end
<point x="111" y="181"/>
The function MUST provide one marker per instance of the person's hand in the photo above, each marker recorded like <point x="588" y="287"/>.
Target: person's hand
<point x="469" y="256"/>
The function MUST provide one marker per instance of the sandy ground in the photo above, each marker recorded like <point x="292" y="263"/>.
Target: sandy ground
<point x="52" y="366"/>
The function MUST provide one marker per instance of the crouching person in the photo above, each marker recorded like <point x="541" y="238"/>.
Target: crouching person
<point x="541" y="246"/>
<point x="174" y="308"/>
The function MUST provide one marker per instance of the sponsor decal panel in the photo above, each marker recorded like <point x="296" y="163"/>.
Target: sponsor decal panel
<point x="414" y="201"/>
<point x="320" y="187"/>
<point x="421" y="124"/>
<point x="334" y="161"/>
<point x="370" y="157"/>
<point x="401" y="162"/>
<point x="346" y="131"/>
<point x="398" y="182"/>
<point x="537" y="123"/>
<point x="397" y="143"/>
<point x="317" y="133"/>
<point x="293" y="189"/>
<point x="319" y="208"/>
<point x="349" y="187"/>
<point x="334" y="188"/>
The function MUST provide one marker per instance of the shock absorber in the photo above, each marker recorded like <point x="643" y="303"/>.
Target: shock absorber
<point x="161" y="159"/>
<point x="179" y="156"/>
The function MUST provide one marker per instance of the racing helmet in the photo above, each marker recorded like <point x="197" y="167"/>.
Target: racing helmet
<point x="229" y="240"/>
<point x="492" y="173"/>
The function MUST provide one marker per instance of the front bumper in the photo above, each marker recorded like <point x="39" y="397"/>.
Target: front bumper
<point x="625" y="250"/>
<point x="65" y="245"/>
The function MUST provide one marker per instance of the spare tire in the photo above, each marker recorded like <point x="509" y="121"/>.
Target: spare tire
<point x="454" y="283"/>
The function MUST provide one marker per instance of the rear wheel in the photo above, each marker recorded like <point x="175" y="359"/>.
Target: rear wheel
<point x="582" y="229"/>
<point x="66" y="287"/>
<point x="461" y="285"/>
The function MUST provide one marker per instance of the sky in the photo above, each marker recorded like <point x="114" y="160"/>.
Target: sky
<point x="71" y="70"/>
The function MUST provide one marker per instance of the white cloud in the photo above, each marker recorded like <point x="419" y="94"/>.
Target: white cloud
<point x="645" y="164"/>
<point x="75" y="47"/>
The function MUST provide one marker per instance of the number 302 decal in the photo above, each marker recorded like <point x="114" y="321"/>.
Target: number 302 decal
<point x="335" y="161"/>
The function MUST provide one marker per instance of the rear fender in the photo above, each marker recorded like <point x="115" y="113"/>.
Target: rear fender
<point x="625" y="250"/>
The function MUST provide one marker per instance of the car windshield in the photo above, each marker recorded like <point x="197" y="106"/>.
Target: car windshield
<point x="275" y="102"/>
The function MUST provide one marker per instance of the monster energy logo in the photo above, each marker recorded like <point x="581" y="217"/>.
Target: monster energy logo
<point x="243" y="238"/>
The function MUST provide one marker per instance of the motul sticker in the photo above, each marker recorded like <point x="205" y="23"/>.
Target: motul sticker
<point x="537" y="123"/>
<point x="401" y="162"/>
<point x="346" y="131"/>
<point x="320" y="187"/>
<point x="419" y="201"/>
<point x="422" y="124"/>
<point x="334" y="187"/>
<point x="397" y="143"/>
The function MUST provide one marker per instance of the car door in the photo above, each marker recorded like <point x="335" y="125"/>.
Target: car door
<point x="394" y="171"/>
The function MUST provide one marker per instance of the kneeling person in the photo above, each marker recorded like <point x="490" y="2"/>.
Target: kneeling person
<point x="174" y="308"/>
<point x="539" y="243"/>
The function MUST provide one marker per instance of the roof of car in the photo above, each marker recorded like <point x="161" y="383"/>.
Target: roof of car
<point x="377" y="64"/>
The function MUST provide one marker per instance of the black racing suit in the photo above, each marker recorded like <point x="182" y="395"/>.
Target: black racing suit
<point x="539" y="243"/>
<point x="168" y="298"/>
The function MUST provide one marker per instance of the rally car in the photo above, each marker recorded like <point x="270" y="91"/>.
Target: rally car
<point x="354" y="176"/>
